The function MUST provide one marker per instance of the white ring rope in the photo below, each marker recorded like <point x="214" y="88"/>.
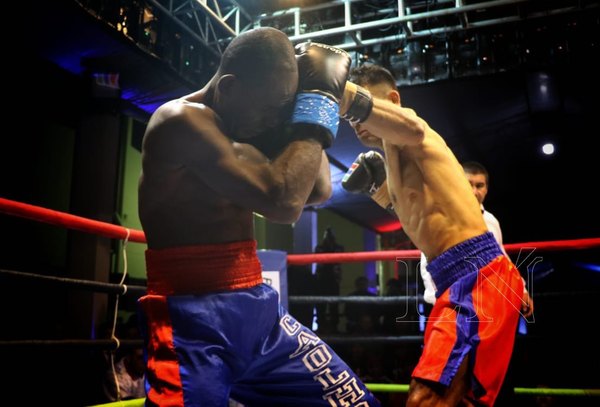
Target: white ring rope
<point x="116" y="311"/>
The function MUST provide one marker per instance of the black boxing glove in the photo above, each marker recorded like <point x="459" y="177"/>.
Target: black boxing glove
<point x="322" y="74"/>
<point x="367" y="176"/>
<point x="322" y="69"/>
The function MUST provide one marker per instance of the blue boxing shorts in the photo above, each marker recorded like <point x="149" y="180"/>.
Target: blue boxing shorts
<point x="206" y="347"/>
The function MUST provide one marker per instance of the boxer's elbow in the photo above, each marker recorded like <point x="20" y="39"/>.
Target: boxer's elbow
<point x="283" y="206"/>
<point x="320" y="193"/>
<point x="319" y="196"/>
<point x="415" y="133"/>
<point x="285" y="212"/>
<point x="411" y="130"/>
<point x="419" y="132"/>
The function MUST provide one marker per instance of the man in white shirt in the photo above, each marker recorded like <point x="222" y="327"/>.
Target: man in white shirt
<point x="478" y="177"/>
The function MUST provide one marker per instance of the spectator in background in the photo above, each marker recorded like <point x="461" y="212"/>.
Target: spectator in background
<point x="124" y="376"/>
<point x="126" y="382"/>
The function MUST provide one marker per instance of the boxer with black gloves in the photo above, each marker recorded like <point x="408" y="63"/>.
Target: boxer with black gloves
<point x="471" y="330"/>
<point x="213" y="330"/>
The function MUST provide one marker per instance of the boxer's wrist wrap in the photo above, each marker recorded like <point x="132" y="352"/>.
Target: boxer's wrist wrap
<point x="320" y="110"/>
<point x="361" y="106"/>
<point x="382" y="197"/>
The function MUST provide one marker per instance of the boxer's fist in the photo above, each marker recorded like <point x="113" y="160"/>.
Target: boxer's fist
<point x="367" y="176"/>
<point x="322" y="75"/>
<point x="322" y="69"/>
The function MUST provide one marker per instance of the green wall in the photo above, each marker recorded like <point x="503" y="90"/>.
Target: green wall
<point x="128" y="207"/>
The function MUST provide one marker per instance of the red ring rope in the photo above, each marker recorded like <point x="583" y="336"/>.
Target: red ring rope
<point x="355" y="257"/>
<point x="69" y="221"/>
<point x="392" y="255"/>
<point x="118" y="232"/>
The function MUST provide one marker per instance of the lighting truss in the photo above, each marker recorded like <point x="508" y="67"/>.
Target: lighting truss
<point x="210" y="22"/>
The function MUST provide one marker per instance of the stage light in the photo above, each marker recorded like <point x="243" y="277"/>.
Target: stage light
<point x="548" y="148"/>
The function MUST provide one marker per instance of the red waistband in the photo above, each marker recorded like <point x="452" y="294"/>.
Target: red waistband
<point x="203" y="268"/>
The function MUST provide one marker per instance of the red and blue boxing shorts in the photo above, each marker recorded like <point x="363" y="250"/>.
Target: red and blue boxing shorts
<point x="214" y="331"/>
<point x="476" y="313"/>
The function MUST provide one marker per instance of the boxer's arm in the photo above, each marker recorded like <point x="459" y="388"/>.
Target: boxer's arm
<point x="386" y="120"/>
<point x="247" y="152"/>
<point x="322" y="189"/>
<point x="320" y="193"/>
<point x="191" y="136"/>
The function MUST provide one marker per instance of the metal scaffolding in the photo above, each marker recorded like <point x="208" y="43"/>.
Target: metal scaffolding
<point x="355" y="24"/>
<point x="427" y="40"/>
<point x="352" y="24"/>
<point x="419" y="40"/>
<point x="210" y="22"/>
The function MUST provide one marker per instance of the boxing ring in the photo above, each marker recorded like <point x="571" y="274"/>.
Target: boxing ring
<point x="69" y="221"/>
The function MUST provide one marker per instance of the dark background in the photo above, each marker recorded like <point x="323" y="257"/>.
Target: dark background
<point x="498" y="116"/>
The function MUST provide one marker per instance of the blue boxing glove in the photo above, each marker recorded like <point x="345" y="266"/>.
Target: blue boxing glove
<point x="322" y="74"/>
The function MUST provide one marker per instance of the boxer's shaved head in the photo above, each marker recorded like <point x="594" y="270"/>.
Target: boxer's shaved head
<point x="256" y="54"/>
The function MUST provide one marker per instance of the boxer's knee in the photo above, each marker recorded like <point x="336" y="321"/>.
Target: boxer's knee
<point x="421" y="394"/>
